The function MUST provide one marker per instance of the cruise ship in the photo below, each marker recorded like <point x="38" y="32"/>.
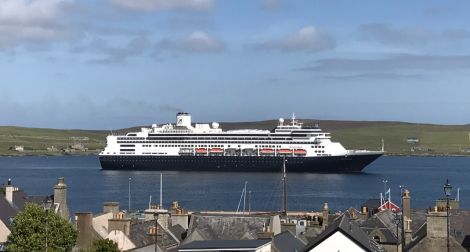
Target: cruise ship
<point x="185" y="146"/>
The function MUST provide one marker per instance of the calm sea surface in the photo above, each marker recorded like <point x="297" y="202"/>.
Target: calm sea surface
<point x="89" y="186"/>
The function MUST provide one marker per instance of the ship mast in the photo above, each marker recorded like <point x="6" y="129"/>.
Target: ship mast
<point x="284" y="190"/>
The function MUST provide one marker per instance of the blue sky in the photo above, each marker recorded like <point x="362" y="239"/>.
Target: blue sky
<point x="117" y="63"/>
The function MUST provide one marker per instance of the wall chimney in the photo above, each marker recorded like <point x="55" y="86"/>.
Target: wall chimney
<point x="84" y="222"/>
<point x="9" y="189"/>
<point x="436" y="224"/>
<point x="406" y="200"/>
<point x="111" y="207"/>
<point x="120" y="223"/>
<point x="406" y="205"/>
<point x="364" y="213"/>
<point x="408" y="232"/>
<point x="352" y="214"/>
<point x="60" y="197"/>
<point x="325" y="212"/>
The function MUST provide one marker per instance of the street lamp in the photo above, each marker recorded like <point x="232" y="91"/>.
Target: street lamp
<point x="447" y="191"/>
<point x="47" y="207"/>
<point x="398" y="217"/>
<point x="155" y="216"/>
<point x="402" y="188"/>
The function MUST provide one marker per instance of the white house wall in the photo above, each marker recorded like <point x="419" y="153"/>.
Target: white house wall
<point x="337" y="242"/>
<point x="265" y="248"/>
<point x="4" y="232"/>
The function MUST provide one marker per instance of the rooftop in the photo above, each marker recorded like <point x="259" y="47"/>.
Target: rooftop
<point x="224" y="244"/>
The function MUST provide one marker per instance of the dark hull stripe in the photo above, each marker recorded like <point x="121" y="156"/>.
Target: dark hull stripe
<point x="327" y="164"/>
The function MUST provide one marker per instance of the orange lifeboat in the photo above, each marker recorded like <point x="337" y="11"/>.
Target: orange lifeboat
<point x="216" y="150"/>
<point x="266" y="151"/>
<point x="201" y="150"/>
<point x="284" y="151"/>
<point x="300" y="152"/>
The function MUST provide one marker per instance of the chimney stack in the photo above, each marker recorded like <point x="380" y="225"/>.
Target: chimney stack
<point x="111" y="207"/>
<point x="84" y="222"/>
<point x="60" y="198"/>
<point x="364" y="213"/>
<point x="436" y="224"/>
<point x="9" y="189"/>
<point x="119" y="223"/>
<point x="325" y="212"/>
<point x="406" y="204"/>
<point x="406" y="199"/>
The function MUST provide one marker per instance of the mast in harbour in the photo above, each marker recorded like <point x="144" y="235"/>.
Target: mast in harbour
<point x="284" y="190"/>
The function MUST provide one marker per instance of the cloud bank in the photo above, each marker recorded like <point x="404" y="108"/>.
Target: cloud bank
<point x="196" y="42"/>
<point x="307" y="39"/>
<point x="155" y="5"/>
<point x="395" y="62"/>
<point x="25" y="22"/>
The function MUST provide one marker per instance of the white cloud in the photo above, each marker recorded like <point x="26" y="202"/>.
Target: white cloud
<point x="307" y="38"/>
<point x="23" y="22"/>
<point x="115" y="54"/>
<point x="152" y="5"/>
<point x="196" y="42"/>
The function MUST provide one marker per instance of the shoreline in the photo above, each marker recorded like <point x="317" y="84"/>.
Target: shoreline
<point x="96" y="154"/>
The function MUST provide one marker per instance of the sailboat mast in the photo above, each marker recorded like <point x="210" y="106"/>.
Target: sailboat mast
<point x="284" y="190"/>
<point x="161" y="190"/>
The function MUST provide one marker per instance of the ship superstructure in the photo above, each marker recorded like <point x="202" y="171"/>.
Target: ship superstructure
<point x="187" y="146"/>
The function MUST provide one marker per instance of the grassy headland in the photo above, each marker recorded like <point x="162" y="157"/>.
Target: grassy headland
<point x="432" y="139"/>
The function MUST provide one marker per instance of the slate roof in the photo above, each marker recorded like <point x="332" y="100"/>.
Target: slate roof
<point x="418" y="220"/>
<point x="227" y="227"/>
<point x="6" y="212"/>
<point x="20" y="199"/>
<point x="39" y="199"/>
<point x="350" y="229"/>
<point x="140" y="237"/>
<point x="436" y="244"/>
<point x="459" y="222"/>
<point x="178" y="231"/>
<point x="460" y="226"/>
<point x="311" y="234"/>
<point x="383" y="222"/>
<point x="287" y="242"/>
<point x="225" y="244"/>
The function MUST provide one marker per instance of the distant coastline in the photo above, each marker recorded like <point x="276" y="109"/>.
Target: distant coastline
<point x="400" y="138"/>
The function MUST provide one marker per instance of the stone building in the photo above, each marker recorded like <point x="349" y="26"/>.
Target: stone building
<point x="13" y="200"/>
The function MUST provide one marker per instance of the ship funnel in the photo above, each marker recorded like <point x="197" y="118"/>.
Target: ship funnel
<point x="183" y="119"/>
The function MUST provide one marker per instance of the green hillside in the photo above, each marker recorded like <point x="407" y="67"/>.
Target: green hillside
<point x="431" y="139"/>
<point x="37" y="141"/>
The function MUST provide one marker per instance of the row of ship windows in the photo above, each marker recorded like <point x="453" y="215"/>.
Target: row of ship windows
<point x="223" y="137"/>
<point x="155" y="153"/>
<point x="216" y="142"/>
<point x="220" y="146"/>
<point x="212" y="138"/>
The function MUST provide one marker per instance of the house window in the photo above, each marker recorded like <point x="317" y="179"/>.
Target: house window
<point x="376" y="238"/>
